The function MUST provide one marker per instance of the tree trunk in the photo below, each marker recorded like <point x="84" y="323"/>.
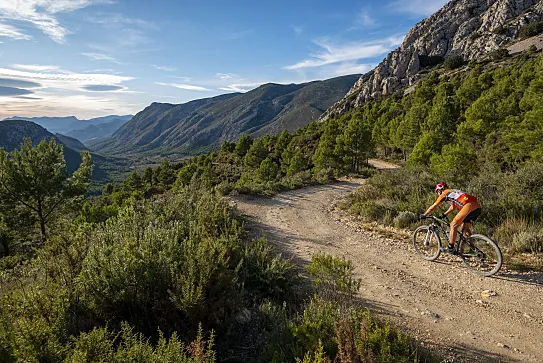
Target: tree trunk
<point x="4" y="241"/>
<point x="42" y="222"/>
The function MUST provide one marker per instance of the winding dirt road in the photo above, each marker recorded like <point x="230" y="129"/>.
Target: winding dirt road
<point x="439" y="303"/>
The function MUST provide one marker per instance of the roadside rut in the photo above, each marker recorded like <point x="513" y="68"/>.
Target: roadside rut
<point x="439" y="303"/>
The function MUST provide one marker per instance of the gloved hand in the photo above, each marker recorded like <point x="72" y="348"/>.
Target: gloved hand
<point x="422" y="216"/>
<point x="442" y="216"/>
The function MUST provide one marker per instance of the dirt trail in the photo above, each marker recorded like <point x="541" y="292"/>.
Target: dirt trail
<point x="436" y="302"/>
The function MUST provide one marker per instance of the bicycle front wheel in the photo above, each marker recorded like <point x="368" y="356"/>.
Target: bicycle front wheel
<point x="427" y="243"/>
<point x="481" y="255"/>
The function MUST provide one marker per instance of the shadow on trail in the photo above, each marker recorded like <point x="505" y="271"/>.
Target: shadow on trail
<point x="529" y="278"/>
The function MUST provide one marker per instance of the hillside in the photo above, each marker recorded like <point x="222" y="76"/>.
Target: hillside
<point x="470" y="29"/>
<point x="204" y="124"/>
<point x="13" y="132"/>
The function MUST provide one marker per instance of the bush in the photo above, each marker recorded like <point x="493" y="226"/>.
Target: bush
<point x="405" y="219"/>
<point x="267" y="275"/>
<point x="528" y="241"/>
<point x="454" y="62"/>
<point x="499" y="54"/>
<point x="333" y="276"/>
<point x="531" y="30"/>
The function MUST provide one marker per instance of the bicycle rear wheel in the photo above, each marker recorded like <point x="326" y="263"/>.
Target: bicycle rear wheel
<point x="481" y="255"/>
<point x="427" y="243"/>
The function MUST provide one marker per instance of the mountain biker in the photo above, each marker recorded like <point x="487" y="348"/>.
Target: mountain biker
<point x="469" y="207"/>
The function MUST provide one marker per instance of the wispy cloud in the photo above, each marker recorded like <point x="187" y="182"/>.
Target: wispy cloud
<point x="298" y="30"/>
<point x="42" y="14"/>
<point x="225" y="76"/>
<point x="241" y="87"/>
<point x="238" y="35"/>
<point x="164" y="68"/>
<point x="100" y="56"/>
<point x="102" y="87"/>
<point x="114" y="20"/>
<point x="335" y="53"/>
<point x="9" y="31"/>
<point x="184" y="86"/>
<point x="35" y="67"/>
<point x="364" y="19"/>
<point x="418" y="7"/>
<point x="184" y="79"/>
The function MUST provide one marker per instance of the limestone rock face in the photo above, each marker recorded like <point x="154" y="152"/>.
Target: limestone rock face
<point x="467" y="28"/>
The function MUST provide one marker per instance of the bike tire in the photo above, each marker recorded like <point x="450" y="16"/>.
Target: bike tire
<point x="430" y="250"/>
<point x="481" y="255"/>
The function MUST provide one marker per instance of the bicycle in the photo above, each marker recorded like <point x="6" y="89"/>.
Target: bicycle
<point x="478" y="252"/>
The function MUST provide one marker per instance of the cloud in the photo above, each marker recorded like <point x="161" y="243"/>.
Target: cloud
<point x="418" y="7"/>
<point x="184" y="79"/>
<point x="35" y="67"/>
<point x="225" y="76"/>
<point x="102" y="87"/>
<point x="41" y="14"/>
<point x="100" y="56"/>
<point x="65" y="80"/>
<point x="184" y="86"/>
<point x="13" y="91"/>
<point x="9" y="31"/>
<point x="242" y="87"/>
<point x="10" y="82"/>
<point x="114" y="20"/>
<point x="297" y="30"/>
<point x="364" y="19"/>
<point x="164" y="68"/>
<point x="335" y="53"/>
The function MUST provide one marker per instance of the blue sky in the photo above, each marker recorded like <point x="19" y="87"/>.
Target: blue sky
<point x="91" y="58"/>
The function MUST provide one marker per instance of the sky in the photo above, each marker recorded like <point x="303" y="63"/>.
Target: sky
<point x="91" y="58"/>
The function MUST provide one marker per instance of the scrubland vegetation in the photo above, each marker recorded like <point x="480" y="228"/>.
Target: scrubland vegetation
<point x="160" y="269"/>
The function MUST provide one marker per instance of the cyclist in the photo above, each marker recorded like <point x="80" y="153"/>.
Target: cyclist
<point x="469" y="207"/>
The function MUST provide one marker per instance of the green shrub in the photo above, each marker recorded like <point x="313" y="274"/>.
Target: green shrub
<point x="267" y="275"/>
<point x="528" y="241"/>
<point x="499" y="54"/>
<point x="531" y="30"/>
<point x="101" y="345"/>
<point x="404" y="219"/>
<point x="454" y="62"/>
<point x="333" y="276"/>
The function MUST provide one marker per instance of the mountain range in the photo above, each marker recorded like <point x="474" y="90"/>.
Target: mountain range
<point x="202" y="125"/>
<point x="64" y="125"/>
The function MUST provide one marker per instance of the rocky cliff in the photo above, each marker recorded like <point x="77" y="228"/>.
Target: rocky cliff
<point x="466" y="28"/>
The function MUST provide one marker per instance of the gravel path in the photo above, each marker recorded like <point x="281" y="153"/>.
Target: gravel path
<point x="439" y="302"/>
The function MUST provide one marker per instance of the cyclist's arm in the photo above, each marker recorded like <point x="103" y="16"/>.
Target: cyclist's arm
<point x="449" y="211"/>
<point x="431" y="209"/>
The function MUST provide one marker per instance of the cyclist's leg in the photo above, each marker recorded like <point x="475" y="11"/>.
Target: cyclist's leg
<point x="458" y="221"/>
<point x="470" y="218"/>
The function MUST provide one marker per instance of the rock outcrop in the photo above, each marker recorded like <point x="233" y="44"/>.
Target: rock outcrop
<point x="467" y="28"/>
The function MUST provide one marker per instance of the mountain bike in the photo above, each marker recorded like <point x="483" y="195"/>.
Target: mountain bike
<point x="478" y="252"/>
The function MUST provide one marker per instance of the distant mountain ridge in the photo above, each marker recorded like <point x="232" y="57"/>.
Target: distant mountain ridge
<point x="202" y="125"/>
<point x="64" y="125"/>
<point x="99" y="131"/>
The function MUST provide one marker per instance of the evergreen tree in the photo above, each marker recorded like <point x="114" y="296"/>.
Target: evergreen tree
<point x="36" y="178"/>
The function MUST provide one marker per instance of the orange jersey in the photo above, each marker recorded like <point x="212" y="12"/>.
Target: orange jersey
<point x="458" y="198"/>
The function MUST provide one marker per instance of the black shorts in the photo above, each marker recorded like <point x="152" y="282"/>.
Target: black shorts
<point x="472" y="217"/>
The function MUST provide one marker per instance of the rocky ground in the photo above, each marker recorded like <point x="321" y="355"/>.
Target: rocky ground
<point x="439" y="303"/>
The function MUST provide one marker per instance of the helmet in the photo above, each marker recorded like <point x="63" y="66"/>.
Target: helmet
<point x="440" y="187"/>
